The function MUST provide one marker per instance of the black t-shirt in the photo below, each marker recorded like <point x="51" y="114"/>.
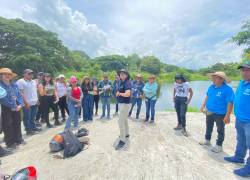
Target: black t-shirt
<point x="122" y="88"/>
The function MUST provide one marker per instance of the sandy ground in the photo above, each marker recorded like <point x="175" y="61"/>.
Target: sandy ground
<point x="153" y="152"/>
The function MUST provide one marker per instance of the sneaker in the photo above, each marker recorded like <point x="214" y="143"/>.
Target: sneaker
<point x="146" y="120"/>
<point x="243" y="172"/>
<point x="12" y="147"/>
<point x="5" y="152"/>
<point x="205" y="143"/>
<point x="22" y="142"/>
<point x="184" y="132"/>
<point x="127" y="136"/>
<point x="37" y="129"/>
<point x="57" y="123"/>
<point x="217" y="149"/>
<point x="38" y="124"/>
<point x="120" y="145"/>
<point x="178" y="127"/>
<point x="152" y="122"/>
<point x="50" y="126"/>
<point x="31" y="133"/>
<point x="234" y="159"/>
<point x="102" y="117"/>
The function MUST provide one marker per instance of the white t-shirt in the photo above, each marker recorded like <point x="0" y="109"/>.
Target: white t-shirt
<point x="29" y="89"/>
<point x="182" y="90"/>
<point x="61" y="89"/>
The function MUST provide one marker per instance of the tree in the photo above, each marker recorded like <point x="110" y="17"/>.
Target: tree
<point x="26" y="45"/>
<point x="243" y="38"/>
<point x="151" y="64"/>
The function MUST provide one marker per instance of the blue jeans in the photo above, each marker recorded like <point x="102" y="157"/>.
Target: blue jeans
<point x="243" y="140"/>
<point x="73" y="115"/>
<point x="105" y="104"/>
<point x="29" y="118"/>
<point x="87" y="105"/>
<point x="150" y="107"/>
<point x="138" y="102"/>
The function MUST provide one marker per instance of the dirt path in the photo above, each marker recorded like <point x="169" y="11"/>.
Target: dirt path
<point x="153" y="152"/>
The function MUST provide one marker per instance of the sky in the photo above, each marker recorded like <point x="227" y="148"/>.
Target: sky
<point x="191" y="34"/>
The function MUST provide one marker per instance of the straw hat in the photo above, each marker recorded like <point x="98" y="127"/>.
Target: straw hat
<point x="152" y="77"/>
<point x="61" y="76"/>
<point x="139" y="76"/>
<point x="221" y="75"/>
<point x="7" y="71"/>
<point x="86" y="77"/>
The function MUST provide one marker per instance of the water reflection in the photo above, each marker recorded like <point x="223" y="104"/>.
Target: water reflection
<point x="165" y="99"/>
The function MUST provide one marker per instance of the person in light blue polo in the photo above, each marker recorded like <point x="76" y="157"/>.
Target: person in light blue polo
<point x="217" y="106"/>
<point x="242" y="124"/>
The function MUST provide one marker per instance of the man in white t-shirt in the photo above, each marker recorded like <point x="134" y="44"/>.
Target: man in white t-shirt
<point x="28" y="89"/>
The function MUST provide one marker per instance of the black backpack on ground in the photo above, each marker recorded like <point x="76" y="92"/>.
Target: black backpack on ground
<point x="71" y="144"/>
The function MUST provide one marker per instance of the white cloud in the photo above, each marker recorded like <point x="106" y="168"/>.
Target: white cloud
<point x="190" y="33"/>
<point x="72" y="26"/>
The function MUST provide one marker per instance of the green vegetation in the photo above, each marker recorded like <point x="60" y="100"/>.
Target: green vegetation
<point x="26" y="45"/>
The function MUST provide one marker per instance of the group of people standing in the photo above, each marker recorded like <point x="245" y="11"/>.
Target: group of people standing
<point x="36" y="97"/>
<point x="218" y="105"/>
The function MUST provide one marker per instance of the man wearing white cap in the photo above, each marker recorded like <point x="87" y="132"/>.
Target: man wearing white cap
<point x="217" y="106"/>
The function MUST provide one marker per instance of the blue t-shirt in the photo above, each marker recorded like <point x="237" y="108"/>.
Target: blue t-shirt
<point x="122" y="88"/>
<point x="218" y="98"/>
<point x="242" y="102"/>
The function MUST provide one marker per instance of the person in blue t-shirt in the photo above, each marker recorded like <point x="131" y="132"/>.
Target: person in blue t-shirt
<point x="137" y="93"/>
<point x="217" y="106"/>
<point x="242" y="124"/>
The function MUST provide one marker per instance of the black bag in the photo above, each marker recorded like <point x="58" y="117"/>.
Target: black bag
<point x="82" y="132"/>
<point x="71" y="144"/>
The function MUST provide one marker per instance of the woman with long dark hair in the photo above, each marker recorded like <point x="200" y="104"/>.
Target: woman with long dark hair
<point x="96" y="95"/>
<point x="88" y="99"/>
<point x="49" y="99"/>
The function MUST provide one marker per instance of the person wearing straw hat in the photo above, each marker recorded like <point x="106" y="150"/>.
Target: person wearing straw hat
<point x="137" y="93"/>
<point x="28" y="89"/>
<point x="150" y="93"/>
<point x="12" y="104"/>
<point x="217" y="106"/>
<point x="124" y="98"/>
<point x="242" y="123"/>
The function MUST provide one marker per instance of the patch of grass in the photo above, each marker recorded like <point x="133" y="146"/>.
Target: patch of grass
<point x="193" y="109"/>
